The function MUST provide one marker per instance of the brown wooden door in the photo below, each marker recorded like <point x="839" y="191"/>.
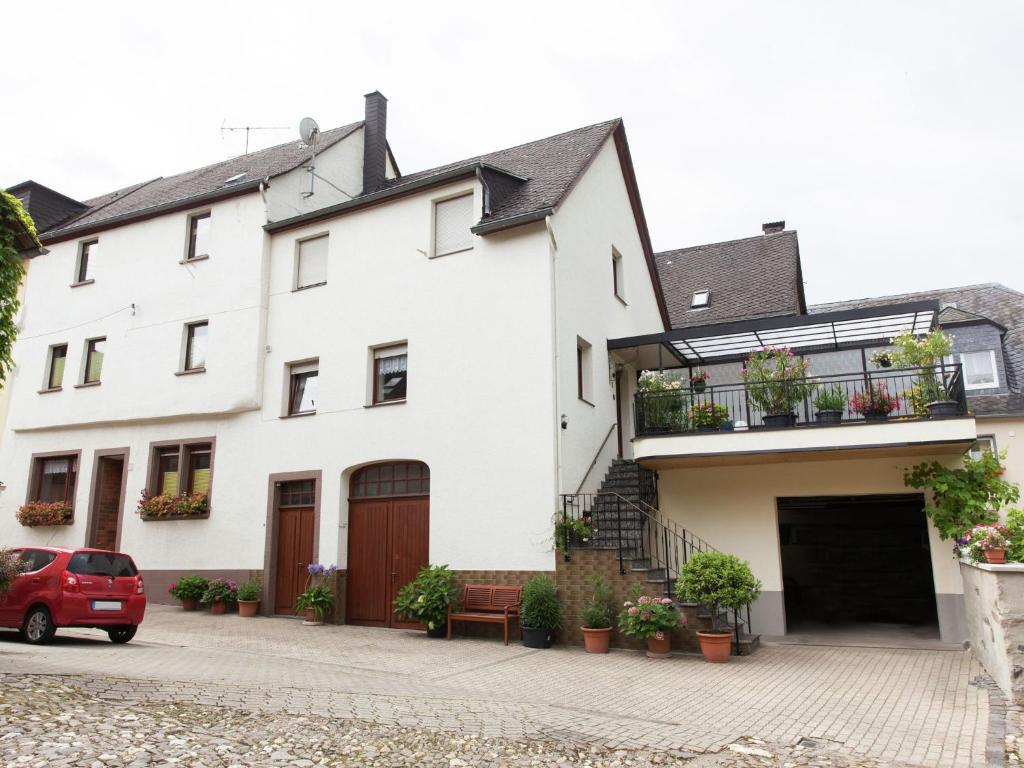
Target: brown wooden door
<point x="388" y="542"/>
<point x="294" y="552"/>
<point x="107" y="505"/>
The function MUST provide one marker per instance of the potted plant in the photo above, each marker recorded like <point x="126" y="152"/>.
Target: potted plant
<point x="699" y="381"/>
<point x="190" y="590"/>
<point x="987" y="541"/>
<point x="662" y="403"/>
<point x="830" y="404"/>
<point x="249" y="598"/>
<point x="708" y="417"/>
<point x="652" y="619"/>
<point x="597" y="618"/>
<point x="929" y="395"/>
<point x="318" y="598"/>
<point x="11" y="566"/>
<point x="776" y="381"/>
<point x="40" y="513"/>
<point x="572" y="530"/>
<point x="219" y="594"/>
<point x="540" y="613"/>
<point x="426" y="599"/>
<point x="163" y="506"/>
<point x="874" y="403"/>
<point x="719" y="582"/>
<point x="882" y="358"/>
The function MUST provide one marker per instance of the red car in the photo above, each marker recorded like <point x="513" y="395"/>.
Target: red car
<point x="74" y="588"/>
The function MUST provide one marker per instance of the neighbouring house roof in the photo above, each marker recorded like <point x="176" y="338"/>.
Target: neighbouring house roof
<point x="748" y="278"/>
<point x="206" y="183"/>
<point x="46" y="206"/>
<point x="991" y="302"/>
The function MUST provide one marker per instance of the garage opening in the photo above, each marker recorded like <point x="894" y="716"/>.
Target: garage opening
<point x="857" y="563"/>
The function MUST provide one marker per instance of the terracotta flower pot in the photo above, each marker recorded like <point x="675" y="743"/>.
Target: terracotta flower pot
<point x="248" y="608"/>
<point x="596" y="640"/>
<point x="659" y="648"/>
<point x="716" y="646"/>
<point x="218" y="608"/>
<point x="995" y="556"/>
<point x="189" y="603"/>
<point x="309" y="618"/>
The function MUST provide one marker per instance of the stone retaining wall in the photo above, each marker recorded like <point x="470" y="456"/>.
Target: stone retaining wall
<point x="994" y="607"/>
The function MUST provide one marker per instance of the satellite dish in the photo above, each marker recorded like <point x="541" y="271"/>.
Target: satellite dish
<point x="308" y="130"/>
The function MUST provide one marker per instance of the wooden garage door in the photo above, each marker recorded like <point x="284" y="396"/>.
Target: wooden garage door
<point x="388" y="539"/>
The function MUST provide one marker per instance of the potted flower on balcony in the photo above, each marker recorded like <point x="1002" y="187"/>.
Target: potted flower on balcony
<point x="929" y="396"/>
<point x="190" y="590"/>
<point x="219" y="594"/>
<point x="661" y="403"/>
<point x="597" y="618"/>
<point x="650" y="618"/>
<point x="987" y="541"/>
<point x="572" y="531"/>
<point x="776" y="381"/>
<point x="699" y="381"/>
<point x="708" y="417"/>
<point x="874" y="402"/>
<point x="35" y="514"/>
<point x="720" y="582"/>
<point x="540" y="613"/>
<point x="830" y="404"/>
<point x="249" y="598"/>
<point x="317" y="599"/>
<point x="426" y="598"/>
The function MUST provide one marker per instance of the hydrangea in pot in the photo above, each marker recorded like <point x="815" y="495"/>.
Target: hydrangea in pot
<point x="426" y="599"/>
<point x="190" y="590"/>
<point x="650" y="618"/>
<point x="219" y="594"/>
<point x="317" y="600"/>
<point x="540" y="614"/>
<point x="708" y="417"/>
<point x="719" y="582"/>
<point x="249" y="598"/>
<point x="597" y="618"/>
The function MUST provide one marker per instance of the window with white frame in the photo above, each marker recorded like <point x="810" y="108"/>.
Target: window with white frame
<point x="984" y="444"/>
<point x="980" y="371"/>
<point x="452" y="220"/>
<point x="311" y="262"/>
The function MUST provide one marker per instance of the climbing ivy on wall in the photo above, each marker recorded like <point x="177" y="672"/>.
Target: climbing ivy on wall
<point x="13" y="219"/>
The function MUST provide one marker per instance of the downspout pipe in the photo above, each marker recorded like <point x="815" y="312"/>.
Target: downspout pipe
<point x="556" y="388"/>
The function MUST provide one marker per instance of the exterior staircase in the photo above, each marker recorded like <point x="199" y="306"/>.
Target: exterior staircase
<point x="624" y="516"/>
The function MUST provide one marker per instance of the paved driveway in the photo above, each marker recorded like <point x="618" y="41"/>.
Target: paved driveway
<point x="915" y="706"/>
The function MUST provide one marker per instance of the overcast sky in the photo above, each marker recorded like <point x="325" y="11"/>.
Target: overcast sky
<point x="889" y="134"/>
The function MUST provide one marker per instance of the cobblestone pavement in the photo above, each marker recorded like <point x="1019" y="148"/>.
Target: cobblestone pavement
<point x="186" y="673"/>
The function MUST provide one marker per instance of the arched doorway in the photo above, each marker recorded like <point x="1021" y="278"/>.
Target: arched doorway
<point x="388" y="538"/>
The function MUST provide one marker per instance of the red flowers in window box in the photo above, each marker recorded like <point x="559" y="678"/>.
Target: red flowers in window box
<point x="163" y="506"/>
<point x="37" y="513"/>
<point x="874" y="402"/>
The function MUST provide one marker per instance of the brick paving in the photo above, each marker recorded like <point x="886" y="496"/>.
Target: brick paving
<point x="916" y="707"/>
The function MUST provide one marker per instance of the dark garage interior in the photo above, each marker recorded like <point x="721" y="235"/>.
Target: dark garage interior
<point x="856" y="560"/>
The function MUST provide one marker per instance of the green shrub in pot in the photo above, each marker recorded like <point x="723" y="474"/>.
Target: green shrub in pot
<point x="540" y="613"/>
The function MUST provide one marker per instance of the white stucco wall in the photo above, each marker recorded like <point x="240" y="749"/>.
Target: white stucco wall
<point x="595" y="218"/>
<point x="341" y="164"/>
<point x="1009" y="435"/>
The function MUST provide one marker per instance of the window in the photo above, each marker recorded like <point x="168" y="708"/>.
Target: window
<point x="107" y="564"/>
<point x="402" y="478"/>
<point x="37" y="559"/>
<point x="984" y="444"/>
<point x="311" y="268"/>
<point x="86" y="253"/>
<point x="297" y="493"/>
<point x="452" y="220"/>
<point x="182" y="468"/>
<point x="302" y="388"/>
<point x="700" y="300"/>
<point x="55" y="368"/>
<point x="390" y="374"/>
<point x="195" y="346"/>
<point x="617" y="283"/>
<point x="980" y="370"/>
<point x="198" y="237"/>
<point x="94" y="360"/>
<point x="584" y="369"/>
<point x="55" y="479"/>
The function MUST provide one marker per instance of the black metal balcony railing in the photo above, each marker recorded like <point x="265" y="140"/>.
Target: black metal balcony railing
<point x="893" y="394"/>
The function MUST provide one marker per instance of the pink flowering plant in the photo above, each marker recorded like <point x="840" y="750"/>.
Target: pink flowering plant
<point x="973" y="544"/>
<point x="38" y="513"/>
<point x="645" y="616"/>
<point x="163" y="505"/>
<point x="220" y="591"/>
<point x="776" y="379"/>
<point x="875" y="401"/>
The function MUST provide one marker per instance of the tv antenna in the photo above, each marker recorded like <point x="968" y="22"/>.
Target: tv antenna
<point x="308" y="132"/>
<point x="248" y="128"/>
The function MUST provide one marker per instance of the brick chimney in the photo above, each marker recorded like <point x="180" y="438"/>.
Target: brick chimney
<point x="375" y="146"/>
<point x="771" y="227"/>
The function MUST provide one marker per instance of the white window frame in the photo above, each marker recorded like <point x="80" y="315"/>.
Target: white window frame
<point x="975" y="450"/>
<point x="434" y="254"/>
<point x="703" y="305"/>
<point x="298" y="259"/>
<point x="995" y="370"/>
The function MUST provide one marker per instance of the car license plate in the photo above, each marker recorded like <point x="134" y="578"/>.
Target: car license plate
<point x="106" y="605"/>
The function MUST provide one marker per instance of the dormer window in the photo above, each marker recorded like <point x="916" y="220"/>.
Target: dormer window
<point x="700" y="300"/>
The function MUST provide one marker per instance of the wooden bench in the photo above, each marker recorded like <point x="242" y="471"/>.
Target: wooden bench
<point x="491" y="605"/>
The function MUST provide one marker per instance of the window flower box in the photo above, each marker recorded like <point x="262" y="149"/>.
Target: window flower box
<point x="163" y="506"/>
<point x="39" y="513"/>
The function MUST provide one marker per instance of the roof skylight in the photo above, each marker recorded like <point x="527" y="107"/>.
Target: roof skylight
<point x="234" y="179"/>
<point x="700" y="300"/>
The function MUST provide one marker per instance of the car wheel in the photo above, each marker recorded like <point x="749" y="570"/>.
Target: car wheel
<point x="122" y="634"/>
<point x="38" y="628"/>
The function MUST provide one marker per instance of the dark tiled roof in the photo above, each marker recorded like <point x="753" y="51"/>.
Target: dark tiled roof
<point x="748" y="278"/>
<point x="141" y="197"/>
<point x="46" y="206"/>
<point x="991" y="301"/>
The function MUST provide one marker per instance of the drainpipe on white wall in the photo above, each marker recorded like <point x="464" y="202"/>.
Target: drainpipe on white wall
<point x="556" y="415"/>
<point x="261" y="351"/>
